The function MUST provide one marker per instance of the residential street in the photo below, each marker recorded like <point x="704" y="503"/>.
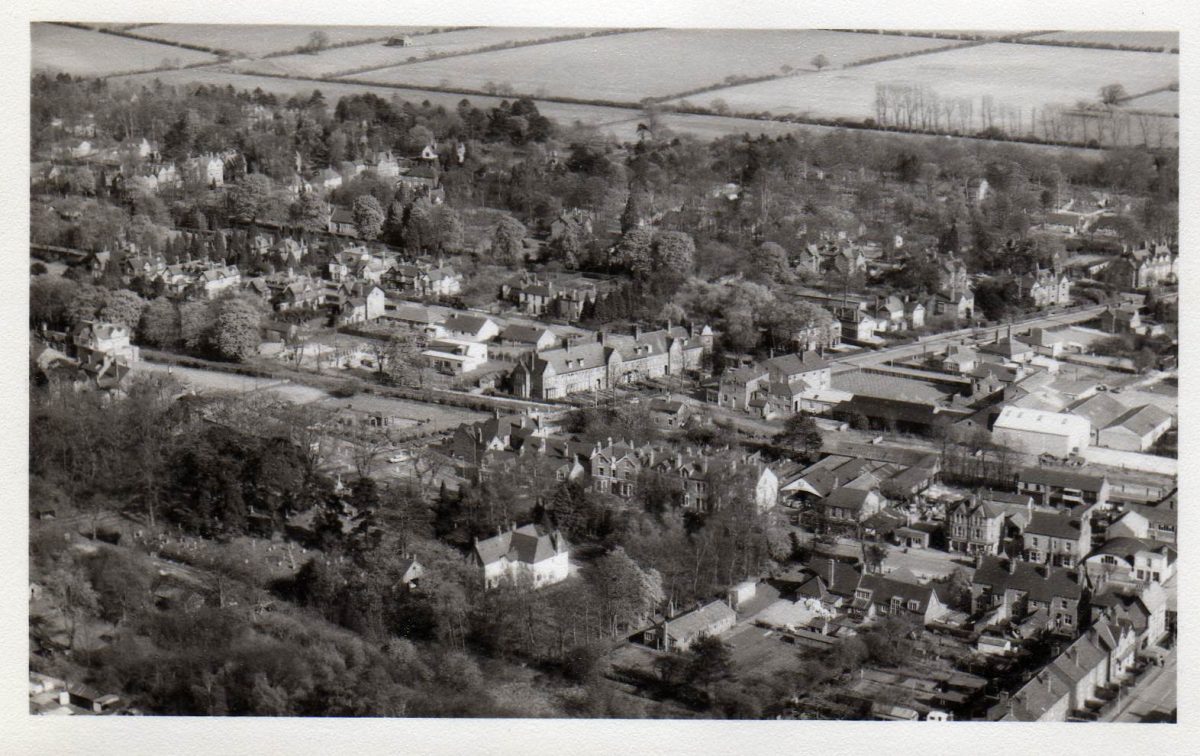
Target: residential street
<point x="1153" y="698"/>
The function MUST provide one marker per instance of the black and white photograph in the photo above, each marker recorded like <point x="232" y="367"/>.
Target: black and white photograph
<point x="431" y="370"/>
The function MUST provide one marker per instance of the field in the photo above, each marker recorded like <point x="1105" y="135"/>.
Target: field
<point x="629" y="67"/>
<point x="1164" y="39"/>
<point x="84" y="52"/>
<point x="377" y="55"/>
<point x="1025" y="76"/>
<point x="1158" y="102"/>
<point x="261" y="39"/>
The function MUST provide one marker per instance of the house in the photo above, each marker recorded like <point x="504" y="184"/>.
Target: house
<point x="455" y="356"/>
<point x="1058" y="538"/>
<point x="1045" y="288"/>
<point x="960" y="305"/>
<point x="960" y="360"/>
<point x="1162" y="521"/>
<point x="975" y="526"/>
<point x="1037" y="432"/>
<point x="850" y="506"/>
<point x="208" y="169"/>
<point x="808" y="370"/>
<point x="1062" y="488"/>
<point x="1144" y="607"/>
<point x="680" y="633"/>
<point x="527" y="556"/>
<point x="1065" y="685"/>
<point x="1009" y="349"/>
<point x="341" y="221"/>
<point x="1153" y="264"/>
<point x="365" y="304"/>
<point x="556" y="373"/>
<point x="471" y="327"/>
<point x="896" y="595"/>
<point x="217" y="279"/>
<point x="1134" y="561"/>
<point x="98" y="345"/>
<point x="411" y="571"/>
<point x="614" y="468"/>
<point x="737" y="387"/>
<point x="425" y="281"/>
<point x="537" y="339"/>
<point x="1019" y="589"/>
<point x="668" y="414"/>
<point x="839" y="578"/>
<point x="416" y="317"/>
<point x="1121" y="319"/>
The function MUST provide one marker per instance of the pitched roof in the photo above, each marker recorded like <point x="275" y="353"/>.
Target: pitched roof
<point x="794" y="364"/>
<point x="1140" y="420"/>
<point x="1126" y="547"/>
<point x="1040" y="582"/>
<point x="524" y="334"/>
<point x="529" y="544"/>
<point x="847" y="498"/>
<point x="886" y="587"/>
<point x="578" y="357"/>
<point x="1100" y="409"/>
<point x="465" y="323"/>
<point x="699" y="621"/>
<point x="840" y="578"/>
<point x="1037" y="421"/>
<point x="1055" y="525"/>
<point x="1049" y="476"/>
<point x="1006" y="347"/>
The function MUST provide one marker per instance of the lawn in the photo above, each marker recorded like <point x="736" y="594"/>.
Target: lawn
<point x="629" y="67"/>
<point x="91" y="53"/>
<point x="1024" y="76"/>
<point x="261" y="39"/>
<point x="378" y="55"/>
<point x="1162" y="39"/>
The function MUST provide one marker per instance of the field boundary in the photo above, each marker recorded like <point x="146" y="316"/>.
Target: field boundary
<point x="499" y="47"/>
<point x="300" y="49"/>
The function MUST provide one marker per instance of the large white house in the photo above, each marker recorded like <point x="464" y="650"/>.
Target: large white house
<point x="526" y="556"/>
<point x="1038" y="432"/>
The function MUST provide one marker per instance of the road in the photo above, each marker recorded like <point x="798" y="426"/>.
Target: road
<point x="1152" y="698"/>
<point x="937" y="344"/>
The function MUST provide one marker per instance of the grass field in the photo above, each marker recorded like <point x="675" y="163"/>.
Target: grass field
<point x="341" y="60"/>
<point x="1159" y="102"/>
<point x="1163" y="39"/>
<point x="261" y="39"/>
<point x="629" y="67"/>
<point x="85" y="52"/>
<point x="1025" y="76"/>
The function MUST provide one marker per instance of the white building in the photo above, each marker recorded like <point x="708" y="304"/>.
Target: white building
<point x="1036" y="432"/>
<point x="526" y="555"/>
<point x="455" y="356"/>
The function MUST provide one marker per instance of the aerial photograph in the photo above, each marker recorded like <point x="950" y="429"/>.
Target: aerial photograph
<point x="427" y="371"/>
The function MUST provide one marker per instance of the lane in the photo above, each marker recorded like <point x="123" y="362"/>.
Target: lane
<point x="1153" y="697"/>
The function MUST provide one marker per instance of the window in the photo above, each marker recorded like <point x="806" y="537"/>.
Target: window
<point x="914" y="606"/>
<point x="866" y="595"/>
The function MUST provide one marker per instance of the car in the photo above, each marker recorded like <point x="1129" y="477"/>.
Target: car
<point x="400" y="457"/>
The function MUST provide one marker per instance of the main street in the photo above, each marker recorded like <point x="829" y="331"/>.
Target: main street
<point x="939" y="343"/>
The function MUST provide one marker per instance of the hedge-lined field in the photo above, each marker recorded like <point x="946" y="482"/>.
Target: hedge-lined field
<point x="84" y="52"/>
<point x="263" y="39"/>
<point x="1163" y="40"/>
<point x="630" y="67"/>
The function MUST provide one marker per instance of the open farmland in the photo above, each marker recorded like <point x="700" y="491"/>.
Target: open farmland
<point x="1166" y="40"/>
<point x="377" y="55"/>
<point x="262" y="39"/>
<point x="660" y="63"/>
<point x="92" y="53"/>
<point x="1014" y="76"/>
<point x="1165" y="101"/>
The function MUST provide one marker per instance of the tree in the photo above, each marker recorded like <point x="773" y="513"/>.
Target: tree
<point x="674" y="253"/>
<point x="50" y="299"/>
<point x="508" y="241"/>
<point x="309" y="212"/>
<point x="248" y="197"/>
<point x="448" y="229"/>
<point x="85" y="304"/>
<point x="368" y="216"/>
<point x="633" y="251"/>
<point x="636" y="212"/>
<point x="820" y="61"/>
<point x="710" y="661"/>
<point x="74" y="594"/>
<point x="195" y="322"/>
<point x="123" y="307"/>
<point x="317" y="41"/>
<point x="1112" y="94"/>
<point x="768" y="263"/>
<point x="800" y="431"/>
<point x="236" y="329"/>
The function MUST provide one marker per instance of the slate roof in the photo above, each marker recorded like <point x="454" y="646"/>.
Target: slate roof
<point x="1140" y="420"/>
<point x="1040" y="582"/>
<point x="699" y="621"/>
<point x="523" y="333"/>
<point x="794" y="364"/>
<point x="839" y="577"/>
<point x="1100" y="409"/>
<point x="1125" y="547"/>
<point x="1054" y="524"/>
<point x="465" y="323"/>
<point x="847" y="498"/>
<point x="884" y="587"/>
<point x="1058" y="478"/>
<point x="529" y="544"/>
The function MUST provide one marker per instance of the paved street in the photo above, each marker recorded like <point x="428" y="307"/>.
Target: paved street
<point x="1154" y="696"/>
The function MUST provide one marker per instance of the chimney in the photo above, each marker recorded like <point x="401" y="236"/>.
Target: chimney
<point x="637" y="332"/>
<point x="600" y="336"/>
<point x="1011" y="567"/>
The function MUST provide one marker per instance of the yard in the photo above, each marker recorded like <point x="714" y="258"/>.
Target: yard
<point x="659" y="63"/>
<point x="377" y="55"/>
<point x="91" y="53"/>
<point x="262" y="39"/>
<point x="1019" y="76"/>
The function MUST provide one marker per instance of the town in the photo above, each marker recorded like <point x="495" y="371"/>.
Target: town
<point x="348" y="406"/>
